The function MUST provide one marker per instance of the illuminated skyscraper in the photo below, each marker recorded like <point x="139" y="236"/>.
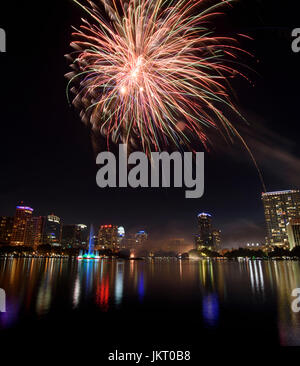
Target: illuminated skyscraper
<point x="121" y="236"/>
<point x="280" y="207"/>
<point x="82" y="234"/>
<point x="38" y="227"/>
<point x="52" y="230"/>
<point x="293" y="231"/>
<point x="6" y="227"/>
<point x="22" y="233"/>
<point x="204" y="239"/>
<point x="216" y="239"/>
<point x="108" y="237"/>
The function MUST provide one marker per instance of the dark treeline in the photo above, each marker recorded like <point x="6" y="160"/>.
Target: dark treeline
<point x="48" y="250"/>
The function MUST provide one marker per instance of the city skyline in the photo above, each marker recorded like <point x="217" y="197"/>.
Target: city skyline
<point x="47" y="157"/>
<point x="149" y="181"/>
<point x="280" y="209"/>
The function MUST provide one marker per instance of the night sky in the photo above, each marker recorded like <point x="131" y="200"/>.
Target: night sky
<point x="46" y="155"/>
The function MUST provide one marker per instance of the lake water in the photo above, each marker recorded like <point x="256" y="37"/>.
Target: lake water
<point x="163" y="300"/>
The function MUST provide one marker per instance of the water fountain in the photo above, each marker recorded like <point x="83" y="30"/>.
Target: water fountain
<point x="91" y="253"/>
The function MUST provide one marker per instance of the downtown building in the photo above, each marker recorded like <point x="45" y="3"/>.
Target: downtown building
<point x="121" y="237"/>
<point x="108" y="237"/>
<point x="216" y="239"/>
<point x="51" y="230"/>
<point x="6" y="228"/>
<point x="38" y="227"/>
<point x="74" y="236"/>
<point x="207" y="236"/>
<point x="204" y="239"/>
<point x="33" y="231"/>
<point x="279" y="208"/>
<point x="23" y="228"/>
<point x="293" y="231"/>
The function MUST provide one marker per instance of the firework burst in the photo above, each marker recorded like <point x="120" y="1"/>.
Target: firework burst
<point x="152" y="74"/>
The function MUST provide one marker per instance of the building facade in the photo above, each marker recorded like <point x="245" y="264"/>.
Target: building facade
<point x="82" y="235"/>
<point x="6" y="228"/>
<point x="75" y="235"/>
<point x="52" y="230"/>
<point x="23" y="233"/>
<point x="121" y="237"/>
<point x="216" y="239"/>
<point x="279" y="208"/>
<point x="204" y="239"/>
<point x="293" y="231"/>
<point x="38" y="227"/>
<point x="108" y="237"/>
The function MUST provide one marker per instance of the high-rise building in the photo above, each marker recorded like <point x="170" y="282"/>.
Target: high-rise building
<point x="22" y="233"/>
<point x="204" y="239"/>
<point x="293" y="231"/>
<point x="52" y="230"/>
<point x="280" y="207"/>
<point x="75" y="235"/>
<point x="141" y="237"/>
<point x="38" y="227"/>
<point x="82" y="234"/>
<point x="216" y="239"/>
<point x="121" y="237"/>
<point x="108" y="237"/>
<point x="6" y="227"/>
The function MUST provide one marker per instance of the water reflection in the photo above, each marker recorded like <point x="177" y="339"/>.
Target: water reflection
<point x="37" y="287"/>
<point x="119" y="283"/>
<point x="256" y="277"/>
<point x="141" y="286"/>
<point x="210" y="309"/>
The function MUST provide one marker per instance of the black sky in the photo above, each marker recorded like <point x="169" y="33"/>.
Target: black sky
<point x="46" y="156"/>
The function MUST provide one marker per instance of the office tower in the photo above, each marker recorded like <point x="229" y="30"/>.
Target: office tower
<point x="6" y="227"/>
<point x="108" y="237"/>
<point x="82" y="235"/>
<point x="38" y="227"/>
<point x="216" y="239"/>
<point x="52" y="230"/>
<point x="22" y="233"/>
<point x="279" y="208"/>
<point x="74" y="235"/>
<point x="121" y="237"/>
<point x="141" y="237"/>
<point x="293" y="231"/>
<point x="204" y="239"/>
